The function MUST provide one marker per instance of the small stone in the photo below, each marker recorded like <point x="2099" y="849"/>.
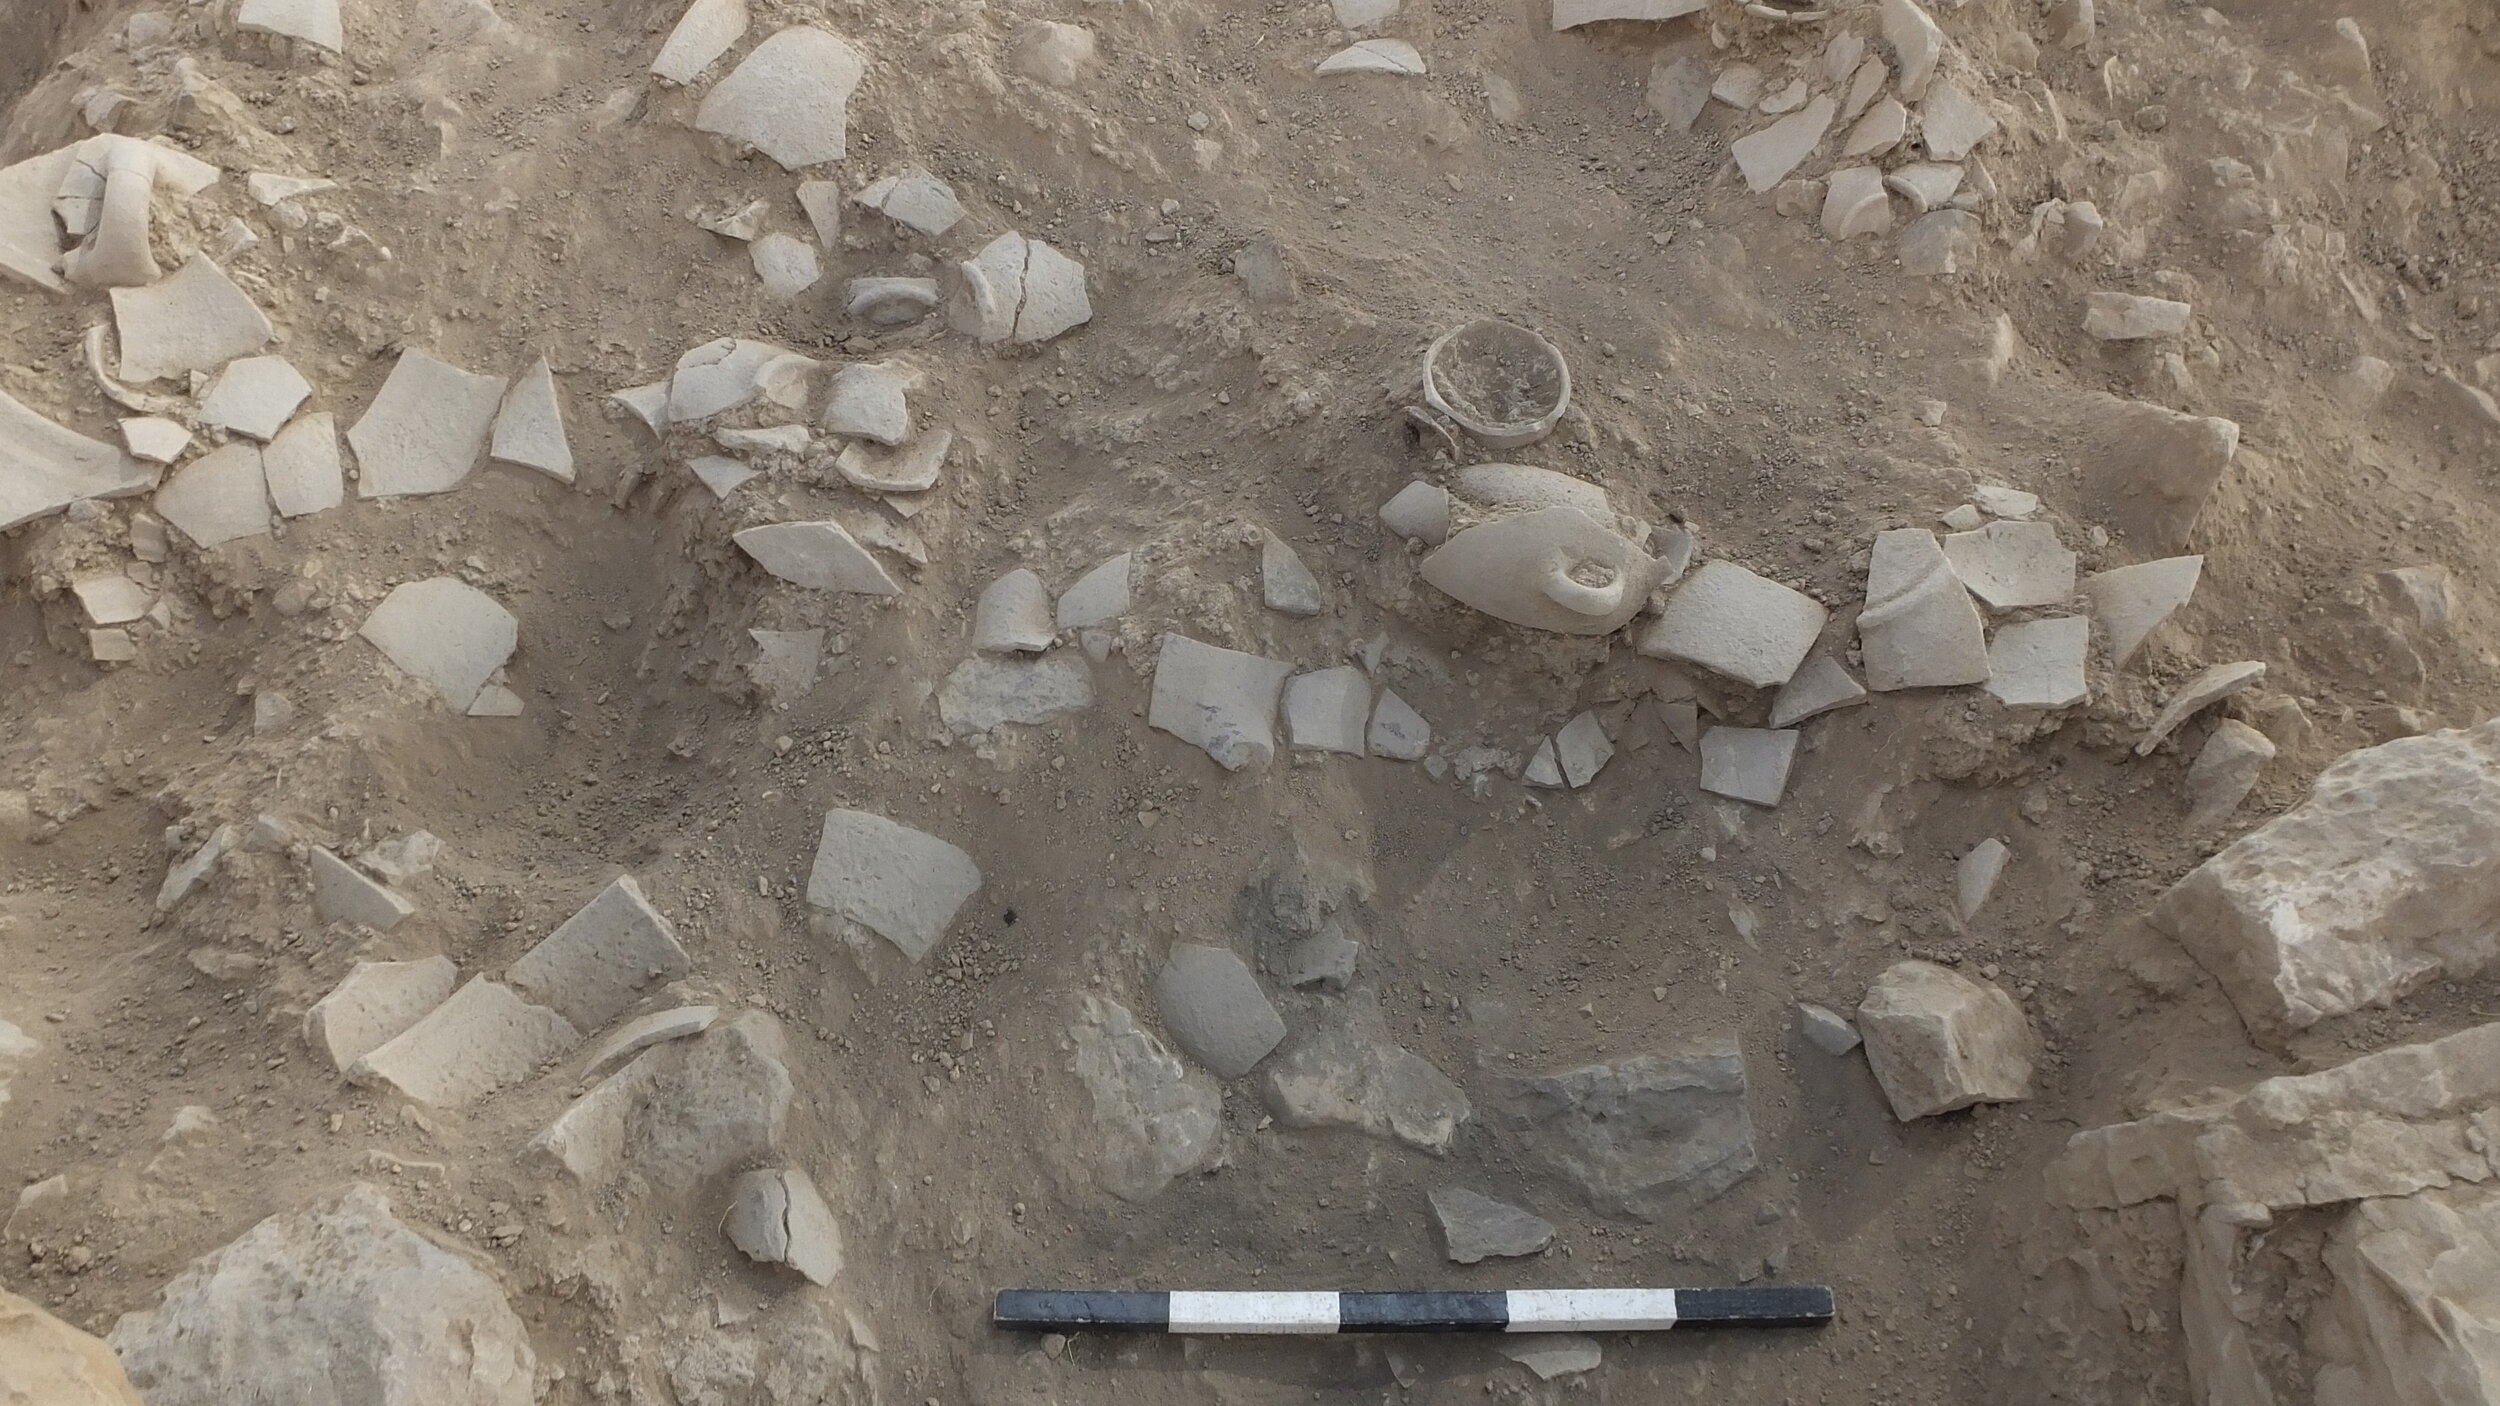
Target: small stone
<point x="1797" y="197"/>
<point x="867" y="400"/>
<point x="1856" y="204"/>
<point x="1393" y="56"/>
<point x="426" y="430"/>
<point x="1582" y="749"/>
<point x="708" y="29"/>
<point x="778" y="1217"/>
<point x="821" y="556"/>
<point x="155" y="439"/>
<point x="302" y="467"/>
<point x="890" y="302"/>
<point x="1951" y="124"/>
<point x="1054" y="54"/>
<point x="1214" y="1009"/>
<point x="785" y="662"/>
<point x="111" y="600"/>
<point x="1266" y="274"/>
<point x="1876" y="133"/>
<point x="445" y="633"/>
<point x="1398" y="732"/>
<point x="2225" y="771"/>
<point x="2040" y="663"/>
<point x="1826" y="1029"/>
<point x="1975" y="877"/>
<point x="376" y="1002"/>
<point x="593" y="967"/>
<point x="1476" y="1228"/>
<point x="483" y="1038"/>
<point x="742" y="224"/>
<point x="1733" y="622"/>
<point x="915" y="199"/>
<point x="1767" y="157"/>
<point x="902" y="884"/>
<point x="2013" y="565"/>
<point x="1939" y="1041"/>
<point x="1918" y="628"/>
<point x="1748" y="764"/>
<point x="2208" y="687"/>
<point x="219" y="497"/>
<point x="254" y="396"/>
<point x="2149" y="470"/>
<point x="1916" y="44"/>
<point x="1420" y="511"/>
<point x="1013" y="616"/>
<point x="1327" y="711"/>
<point x="2124" y="317"/>
<point x="529" y="426"/>
<point x="644" y="1031"/>
<point x="1288" y="585"/>
<point x="789" y="98"/>
<point x="195" y="320"/>
<point x="2131" y="602"/>
<point x="271" y="710"/>
<point x="1818" y="688"/>
<point x="1221" y="700"/>
<point x="182" y="879"/>
<point x="1099" y="597"/>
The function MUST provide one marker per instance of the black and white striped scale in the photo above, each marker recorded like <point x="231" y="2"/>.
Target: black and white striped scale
<point x="1423" y="1311"/>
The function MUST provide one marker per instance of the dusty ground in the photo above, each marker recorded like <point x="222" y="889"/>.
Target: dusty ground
<point x="531" y="186"/>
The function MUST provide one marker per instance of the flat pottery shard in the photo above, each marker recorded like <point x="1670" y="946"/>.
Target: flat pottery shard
<point x="1055" y="300"/>
<point x="1918" y="628"/>
<point x="1221" y="700"/>
<point x="2150" y="469"/>
<point x="1555" y="569"/>
<point x="1766" y="157"/>
<point x="1814" y="690"/>
<point x="1398" y="732"/>
<point x="1951" y="124"/>
<point x="1327" y="711"/>
<point x="1552" y="1355"/>
<point x="992" y="290"/>
<point x="786" y="265"/>
<point x="983" y="695"/>
<point x="2012" y="565"/>
<point x="648" y="404"/>
<point x="316" y="22"/>
<point x="1975" y="876"/>
<point x="785" y="662"/>
<point x="196" y="320"/>
<point x="45" y="467"/>
<point x="818" y="555"/>
<point x="1748" y="763"/>
<point x="155" y="439"/>
<point x="218" y="497"/>
<point x="1582" y="749"/>
<point x="1524" y="486"/>
<point x="644" y="1031"/>
<point x="1927" y="186"/>
<point x="111" y="600"/>
<point x="1287" y="585"/>
<point x="1394" y="56"/>
<point x="705" y="32"/>
<point x="889" y="302"/>
<point x="529" y="428"/>
<point x="30" y="236"/>
<point x="1154" y="1117"/>
<point x="683" y="1111"/>
<point x="1737" y="624"/>
<point x="720" y="473"/>
<point x="254" y="396"/>
<point x="777" y="1217"/>
<point x="1350" y="1073"/>
<point x="1856" y="204"/>
<point x="342" y="893"/>
<point x="1013" y="616"/>
<point x="867" y="401"/>
<point x="1544" y="768"/>
<point x="2208" y="687"/>
<point x="895" y="881"/>
<point x="375" y="1003"/>
<point x="729" y="372"/>
<point x="1571" y="14"/>
<point x="594" y="966"/>
<point x="1420" y="511"/>
<point x="789" y="98"/>
<point x="426" y="430"/>
<point x="482" y="1039"/>
<point x="2040" y="663"/>
<point x="2225" y="771"/>
<point x="1916" y="44"/>
<point x="302" y="466"/>
<point x="2132" y="601"/>
<point x="914" y="198"/>
<point x="446" y="633"/>
<point x="1099" y="597"/>
<point x="914" y="468"/>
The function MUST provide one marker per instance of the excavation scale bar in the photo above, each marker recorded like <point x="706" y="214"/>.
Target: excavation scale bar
<point x="1493" y="1311"/>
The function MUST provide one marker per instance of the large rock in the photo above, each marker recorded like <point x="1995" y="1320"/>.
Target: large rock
<point x="1644" y="1135"/>
<point x="1939" y="1041"/>
<point x="2414" y="1319"/>
<point x="2387" y="877"/>
<point x="46" y="1362"/>
<point x="683" y="1111"/>
<point x="1154" y="1118"/>
<point x="339" y="1304"/>
<point x="1350" y="1074"/>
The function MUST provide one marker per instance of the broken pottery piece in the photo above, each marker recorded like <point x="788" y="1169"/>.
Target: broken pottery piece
<point x="1975" y="876"/>
<point x="155" y="439"/>
<point x="1926" y="185"/>
<point x="914" y="198"/>
<point x="373" y="1004"/>
<point x="1420" y="511"/>
<point x="1582" y="749"/>
<point x="196" y="320"/>
<point x="1098" y="597"/>
<point x="897" y="882"/>
<point x="2127" y="317"/>
<point x="1544" y="768"/>
<point x="1505" y="385"/>
<point x="1398" y="732"/>
<point x="1053" y="53"/>
<point x="316" y="22"/>
<point x="707" y="30"/>
<point x="1054" y="294"/>
<point x="772" y="439"/>
<point x="914" y="468"/>
<point x="1571" y="14"/>
<point x="1766" y="157"/>
<point x="1476" y="1227"/>
<point x="1286" y="584"/>
<point x="1918" y="628"/>
<point x="111" y="600"/>
<point x="1521" y="486"/>
<point x="648" y="404"/>
<point x="1327" y="711"/>
<point x="1826" y="1029"/>
<point x="1551" y="1355"/>
<point x="2207" y="687"/>
<point x="720" y="473"/>
<point x="2131" y="602"/>
<point x="867" y="401"/>
<point x="889" y="302"/>
<point x="1732" y="622"/>
<point x="2012" y="565"/>
<point x="593" y="967"/>
<point x="1393" y="56"/>
<point x="1950" y="124"/>
<point x="482" y="1039"/>
<point x="778" y="1217"/>
<point x="182" y="879"/>
<point x="789" y="98"/>
<point x="45" y="467"/>
<point x="254" y="396"/>
<point x="1221" y="700"/>
<point x="1819" y="687"/>
<point x="1855" y="204"/>
<point x="2149" y="469"/>
<point x="644" y="1031"/>
<point x="268" y="188"/>
<point x="785" y="662"/>
<point x="2040" y="663"/>
<point x="218" y="497"/>
<point x="821" y="556"/>
<point x="342" y="893"/>
<point x="426" y="430"/>
<point x="1554" y="569"/>
<point x="1013" y="616"/>
<point x="1349" y="1073"/>
<point x="2225" y="771"/>
<point x="785" y="265"/>
<point x="1747" y="763"/>
<point x="1021" y="289"/>
<point x="1936" y="243"/>
<point x="1916" y="44"/>
<point x="446" y="633"/>
<point x="729" y="372"/>
<point x="1874" y="135"/>
<point x="529" y="426"/>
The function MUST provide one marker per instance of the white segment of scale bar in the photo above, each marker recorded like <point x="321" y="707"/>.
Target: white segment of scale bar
<point x="1590" y="1310"/>
<point x="1241" y="1311"/>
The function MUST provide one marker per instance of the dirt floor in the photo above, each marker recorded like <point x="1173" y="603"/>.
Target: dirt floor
<point x="517" y="185"/>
